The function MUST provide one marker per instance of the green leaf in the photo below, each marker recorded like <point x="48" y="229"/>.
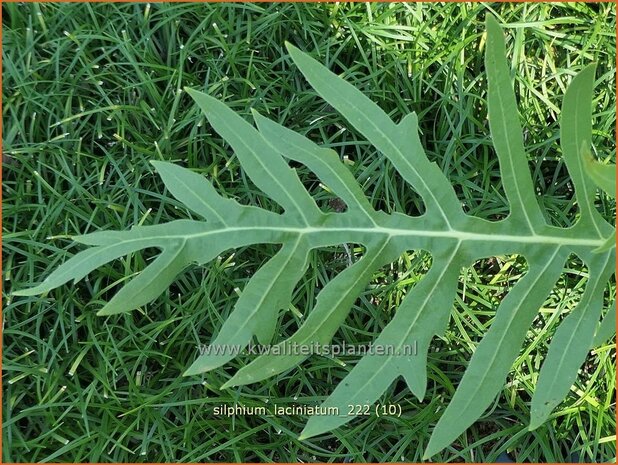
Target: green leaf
<point x="149" y="284"/>
<point x="506" y="132"/>
<point x="266" y="168"/>
<point x="198" y="194"/>
<point x="375" y="372"/>
<point x="267" y="292"/>
<point x="571" y="343"/>
<point x="452" y="238"/>
<point x="607" y="329"/>
<point x="609" y="244"/>
<point x="78" y="266"/>
<point x="332" y="307"/>
<point x="323" y="162"/>
<point x="604" y="176"/>
<point x="575" y="136"/>
<point x="399" y="143"/>
<point x="494" y="356"/>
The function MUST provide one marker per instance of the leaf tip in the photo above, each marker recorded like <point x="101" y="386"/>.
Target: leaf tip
<point x="306" y="434"/>
<point x="536" y="419"/>
<point x="35" y="290"/>
<point x="24" y="292"/>
<point x="534" y="424"/>
<point x="228" y="384"/>
<point x="292" y="50"/>
<point x="587" y="72"/>
<point x="431" y="449"/>
<point x="256" y="115"/>
<point x="540" y="409"/>
<point x="111" y="308"/>
<point x="491" y="19"/>
<point x="194" y="94"/>
<point x="196" y="368"/>
<point x="313" y="428"/>
<point x="409" y="122"/>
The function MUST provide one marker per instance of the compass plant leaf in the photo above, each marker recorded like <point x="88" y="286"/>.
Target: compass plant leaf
<point x="453" y="239"/>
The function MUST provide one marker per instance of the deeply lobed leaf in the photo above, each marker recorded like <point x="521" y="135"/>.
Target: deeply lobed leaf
<point x="453" y="238"/>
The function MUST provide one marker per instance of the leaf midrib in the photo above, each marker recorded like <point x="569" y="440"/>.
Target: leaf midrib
<point x="454" y="234"/>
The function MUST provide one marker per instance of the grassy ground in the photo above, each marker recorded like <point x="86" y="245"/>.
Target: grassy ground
<point x="91" y="93"/>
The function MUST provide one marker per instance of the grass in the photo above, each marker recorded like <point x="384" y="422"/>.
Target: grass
<point x="92" y="92"/>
